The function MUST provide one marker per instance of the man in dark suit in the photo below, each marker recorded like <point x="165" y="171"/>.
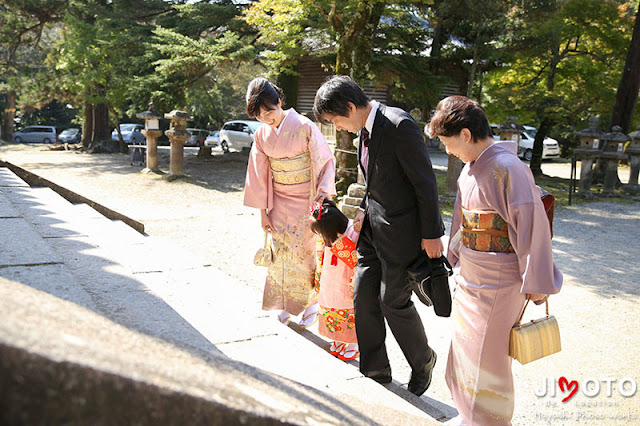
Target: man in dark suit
<point x="399" y="217"/>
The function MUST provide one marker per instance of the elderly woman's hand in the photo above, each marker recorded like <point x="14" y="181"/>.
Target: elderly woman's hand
<point x="536" y="298"/>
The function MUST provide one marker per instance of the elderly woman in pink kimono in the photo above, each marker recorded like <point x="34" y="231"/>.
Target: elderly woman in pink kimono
<point x="500" y="247"/>
<point x="290" y="167"/>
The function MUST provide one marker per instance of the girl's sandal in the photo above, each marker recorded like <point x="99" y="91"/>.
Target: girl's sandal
<point x="349" y="352"/>
<point x="336" y="348"/>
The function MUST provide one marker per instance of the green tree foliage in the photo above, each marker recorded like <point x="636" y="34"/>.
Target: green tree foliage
<point x="23" y="25"/>
<point x="565" y="57"/>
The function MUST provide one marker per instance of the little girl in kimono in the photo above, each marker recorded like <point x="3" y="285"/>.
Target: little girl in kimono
<point x="338" y="260"/>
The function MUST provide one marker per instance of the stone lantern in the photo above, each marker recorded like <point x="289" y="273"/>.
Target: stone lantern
<point x="612" y="152"/>
<point x="152" y="132"/>
<point x="587" y="152"/>
<point x="633" y="151"/>
<point x="177" y="134"/>
<point x="512" y="131"/>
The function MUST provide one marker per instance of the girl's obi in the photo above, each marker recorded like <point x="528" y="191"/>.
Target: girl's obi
<point x="485" y="231"/>
<point x="290" y="171"/>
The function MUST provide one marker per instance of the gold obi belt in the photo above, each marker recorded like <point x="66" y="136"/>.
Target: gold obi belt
<point x="485" y="231"/>
<point x="290" y="171"/>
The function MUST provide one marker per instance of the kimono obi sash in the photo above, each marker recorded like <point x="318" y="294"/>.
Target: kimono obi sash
<point x="485" y="231"/>
<point x="293" y="170"/>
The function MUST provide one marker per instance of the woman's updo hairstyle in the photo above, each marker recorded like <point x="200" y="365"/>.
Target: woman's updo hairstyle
<point x="261" y="94"/>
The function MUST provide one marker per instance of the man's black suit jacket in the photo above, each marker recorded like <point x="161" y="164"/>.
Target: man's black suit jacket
<point x="401" y="198"/>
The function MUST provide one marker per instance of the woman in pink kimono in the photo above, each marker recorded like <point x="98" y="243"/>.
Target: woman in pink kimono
<point x="290" y="166"/>
<point x="500" y="247"/>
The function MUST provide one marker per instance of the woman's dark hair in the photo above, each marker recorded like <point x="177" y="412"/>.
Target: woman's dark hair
<point x="328" y="221"/>
<point x="262" y="94"/>
<point x="334" y="95"/>
<point x="455" y="113"/>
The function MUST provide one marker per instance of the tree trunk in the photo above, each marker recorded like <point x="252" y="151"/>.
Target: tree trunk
<point x="629" y="83"/>
<point x="346" y="161"/>
<point x="474" y="64"/>
<point x="9" y="116"/>
<point x="123" y="147"/>
<point x="101" y="123"/>
<point x="454" y="167"/>
<point x="87" y="125"/>
<point x="536" y="157"/>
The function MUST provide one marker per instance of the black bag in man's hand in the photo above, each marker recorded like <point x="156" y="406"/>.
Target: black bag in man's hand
<point x="429" y="280"/>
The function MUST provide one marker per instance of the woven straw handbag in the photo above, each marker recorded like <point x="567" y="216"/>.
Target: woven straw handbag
<point x="536" y="339"/>
<point x="264" y="256"/>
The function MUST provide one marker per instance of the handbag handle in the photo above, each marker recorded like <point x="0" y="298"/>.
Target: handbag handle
<point x="546" y="300"/>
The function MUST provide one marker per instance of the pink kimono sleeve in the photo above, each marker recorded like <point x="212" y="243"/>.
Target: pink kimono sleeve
<point x="322" y="161"/>
<point x="529" y="233"/>
<point x="453" y="249"/>
<point x="258" y="191"/>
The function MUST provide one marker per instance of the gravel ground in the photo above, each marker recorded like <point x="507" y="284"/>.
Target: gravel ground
<point x="596" y="246"/>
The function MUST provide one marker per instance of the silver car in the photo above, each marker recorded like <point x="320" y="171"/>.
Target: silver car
<point x="131" y="134"/>
<point x="37" y="134"/>
<point x="70" y="136"/>
<point x="238" y="134"/>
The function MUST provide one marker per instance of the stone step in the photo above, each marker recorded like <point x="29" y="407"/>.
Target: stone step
<point x="61" y="363"/>
<point x="22" y="245"/>
<point x="352" y="201"/>
<point x="45" y="200"/>
<point x="356" y="190"/>
<point x="349" y="211"/>
<point x="9" y="179"/>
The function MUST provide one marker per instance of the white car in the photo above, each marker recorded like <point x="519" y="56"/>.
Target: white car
<point x="213" y="139"/>
<point x="238" y="134"/>
<point x="550" y="149"/>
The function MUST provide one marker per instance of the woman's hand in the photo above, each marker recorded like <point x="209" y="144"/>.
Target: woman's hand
<point x="265" y="221"/>
<point x="320" y="197"/>
<point x="536" y="298"/>
<point x="357" y="222"/>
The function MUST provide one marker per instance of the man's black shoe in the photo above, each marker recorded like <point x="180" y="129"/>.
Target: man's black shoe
<point x="381" y="376"/>
<point x="420" y="382"/>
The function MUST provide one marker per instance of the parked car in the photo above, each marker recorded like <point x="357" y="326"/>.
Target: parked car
<point x="70" y="136"/>
<point x="37" y="134"/>
<point x="213" y="139"/>
<point x="197" y="137"/>
<point x="131" y="134"/>
<point x="238" y="134"/>
<point x="550" y="148"/>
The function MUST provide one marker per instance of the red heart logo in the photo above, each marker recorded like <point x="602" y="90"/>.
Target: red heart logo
<point x="562" y="382"/>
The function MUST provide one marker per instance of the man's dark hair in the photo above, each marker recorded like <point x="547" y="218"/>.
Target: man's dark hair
<point x="334" y="95"/>
<point x="328" y="221"/>
<point x="262" y="94"/>
<point x="455" y="113"/>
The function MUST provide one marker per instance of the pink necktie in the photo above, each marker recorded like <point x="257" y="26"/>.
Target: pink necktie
<point x="364" y="157"/>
